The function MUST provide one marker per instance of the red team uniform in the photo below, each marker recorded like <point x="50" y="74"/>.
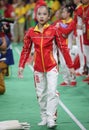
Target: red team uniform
<point x="69" y="80"/>
<point x="86" y="22"/>
<point x="86" y="36"/>
<point x="45" y="63"/>
<point x="44" y="60"/>
<point x="46" y="44"/>
<point x="78" y="18"/>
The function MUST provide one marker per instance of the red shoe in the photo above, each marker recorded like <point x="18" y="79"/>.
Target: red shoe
<point x="73" y="83"/>
<point x="86" y="80"/>
<point x="64" y="84"/>
<point x="78" y="74"/>
<point x="84" y="73"/>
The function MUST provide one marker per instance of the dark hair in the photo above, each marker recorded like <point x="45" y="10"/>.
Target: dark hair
<point x="70" y="8"/>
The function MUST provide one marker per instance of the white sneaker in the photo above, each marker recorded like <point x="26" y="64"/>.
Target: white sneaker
<point x="51" y="124"/>
<point x="42" y="123"/>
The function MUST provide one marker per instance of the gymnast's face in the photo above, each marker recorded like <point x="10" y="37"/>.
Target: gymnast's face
<point x="42" y="15"/>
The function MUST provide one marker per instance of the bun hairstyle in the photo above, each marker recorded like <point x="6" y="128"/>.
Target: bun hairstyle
<point x="70" y="8"/>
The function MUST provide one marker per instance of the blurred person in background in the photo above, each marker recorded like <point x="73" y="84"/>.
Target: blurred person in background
<point x="86" y="35"/>
<point x="2" y="8"/>
<point x="6" y="57"/>
<point x="65" y="20"/>
<point x="3" y="66"/>
<point x="19" y="26"/>
<point x="14" y="5"/>
<point x="9" y="13"/>
<point x="30" y="22"/>
<point x="54" y="6"/>
<point x="78" y="17"/>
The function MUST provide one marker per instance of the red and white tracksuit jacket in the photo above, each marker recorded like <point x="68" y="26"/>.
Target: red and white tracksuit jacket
<point x="45" y="62"/>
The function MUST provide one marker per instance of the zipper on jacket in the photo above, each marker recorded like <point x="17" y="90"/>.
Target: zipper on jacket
<point x="42" y="54"/>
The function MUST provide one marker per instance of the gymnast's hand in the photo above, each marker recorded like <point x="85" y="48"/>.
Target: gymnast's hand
<point x="20" y="72"/>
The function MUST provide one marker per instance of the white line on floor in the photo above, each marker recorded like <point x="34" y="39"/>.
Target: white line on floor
<point x="61" y="104"/>
<point x="72" y="116"/>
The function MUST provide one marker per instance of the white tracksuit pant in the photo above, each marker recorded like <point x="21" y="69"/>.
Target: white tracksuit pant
<point x="66" y="73"/>
<point x="79" y="43"/>
<point x="47" y="95"/>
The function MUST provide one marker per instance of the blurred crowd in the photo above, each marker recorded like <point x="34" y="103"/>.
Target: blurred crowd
<point x="22" y="11"/>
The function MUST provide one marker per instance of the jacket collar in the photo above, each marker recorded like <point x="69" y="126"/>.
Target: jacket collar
<point x="84" y="6"/>
<point x="80" y="4"/>
<point x="67" y="21"/>
<point x="36" y="29"/>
